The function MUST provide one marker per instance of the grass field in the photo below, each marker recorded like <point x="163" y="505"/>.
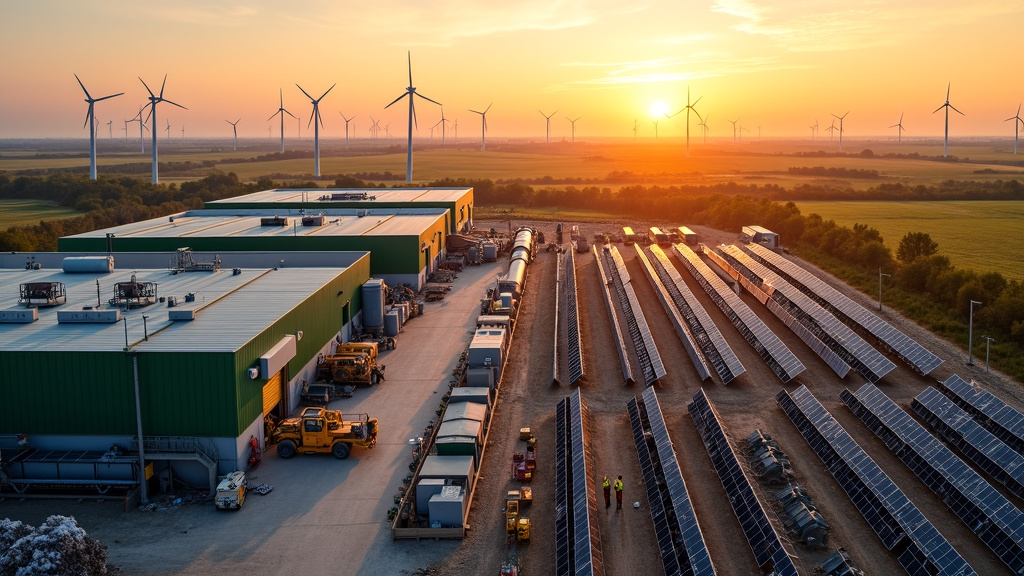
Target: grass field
<point x="984" y="236"/>
<point x="24" y="212"/>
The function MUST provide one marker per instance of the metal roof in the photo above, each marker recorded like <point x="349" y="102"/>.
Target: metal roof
<point x="313" y="195"/>
<point x="231" y="309"/>
<point x="222" y="224"/>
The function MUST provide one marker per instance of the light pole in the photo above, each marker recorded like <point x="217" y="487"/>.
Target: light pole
<point x="988" y="341"/>
<point x="970" y="334"/>
<point x="880" y="288"/>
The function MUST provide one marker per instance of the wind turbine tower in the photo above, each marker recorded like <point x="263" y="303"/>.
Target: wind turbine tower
<point x="689" y="106"/>
<point x="547" y="125"/>
<point x="282" y="112"/>
<point x="634" y="130"/>
<point x="899" y="129"/>
<point x="110" y="130"/>
<point x="655" y="122"/>
<point x="153" y="101"/>
<point x="733" y="122"/>
<point x="317" y="122"/>
<point x="1016" y="128"/>
<point x="704" y="126"/>
<point x="840" y="118"/>
<point x="90" y="119"/>
<point x="234" y="128"/>
<point x="947" y="106"/>
<point x="483" y="126"/>
<point x="411" y="92"/>
<point x="573" y="122"/>
<point x="347" y="120"/>
<point x="142" y="126"/>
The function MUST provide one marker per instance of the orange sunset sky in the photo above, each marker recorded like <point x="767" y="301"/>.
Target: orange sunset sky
<point x="779" y="65"/>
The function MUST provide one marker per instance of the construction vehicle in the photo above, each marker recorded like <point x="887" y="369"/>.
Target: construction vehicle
<point x="319" y="430"/>
<point x="517" y="526"/>
<point x="231" y="491"/>
<point x="353" y="363"/>
<point x="524" y="463"/>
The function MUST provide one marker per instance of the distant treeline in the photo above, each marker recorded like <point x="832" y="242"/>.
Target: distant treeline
<point x="835" y="172"/>
<point x="177" y="168"/>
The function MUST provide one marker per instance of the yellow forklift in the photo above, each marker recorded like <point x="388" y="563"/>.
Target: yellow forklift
<point x="517" y="526"/>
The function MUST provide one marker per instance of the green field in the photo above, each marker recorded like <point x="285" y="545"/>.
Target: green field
<point x="24" y="212"/>
<point x="984" y="236"/>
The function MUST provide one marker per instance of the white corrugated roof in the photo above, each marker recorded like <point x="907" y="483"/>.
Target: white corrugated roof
<point x="235" y="309"/>
<point x="313" y="195"/>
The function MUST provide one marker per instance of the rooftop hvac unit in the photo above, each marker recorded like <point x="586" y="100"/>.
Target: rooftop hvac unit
<point x="42" y="294"/>
<point x="133" y="294"/>
<point x="274" y="221"/>
<point x="184" y="261"/>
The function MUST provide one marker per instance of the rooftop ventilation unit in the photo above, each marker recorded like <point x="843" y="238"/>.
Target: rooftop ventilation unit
<point x="42" y="294"/>
<point x="94" y="316"/>
<point x="19" y="316"/>
<point x="184" y="261"/>
<point x="133" y="294"/>
<point x="348" y="196"/>
<point x="313" y="220"/>
<point x="274" y="221"/>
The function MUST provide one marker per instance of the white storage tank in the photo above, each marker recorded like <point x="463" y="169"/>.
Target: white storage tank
<point x="85" y="264"/>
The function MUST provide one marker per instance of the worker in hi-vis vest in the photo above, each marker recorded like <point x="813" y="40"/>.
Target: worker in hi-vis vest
<point x="607" y="492"/>
<point x="618" y="493"/>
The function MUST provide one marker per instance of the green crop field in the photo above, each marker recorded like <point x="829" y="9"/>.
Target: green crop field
<point x="984" y="236"/>
<point x="23" y="212"/>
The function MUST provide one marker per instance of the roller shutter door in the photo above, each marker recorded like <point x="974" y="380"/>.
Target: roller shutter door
<point x="272" y="394"/>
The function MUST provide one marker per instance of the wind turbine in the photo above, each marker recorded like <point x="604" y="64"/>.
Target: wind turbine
<point x="814" y="129"/>
<point x="168" y="129"/>
<point x="347" y="120"/>
<point x="317" y="122"/>
<point x="483" y="126"/>
<point x="688" y="108"/>
<point x="410" y="91"/>
<point x="634" y="130"/>
<point x="547" y="125"/>
<point x="153" y="101"/>
<point x="704" y="126"/>
<point x="899" y="129"/>
<point x="733" y="122"/>
<point x="90" y="119"/>
<point x="831" y="131"/>
<point x="947" y="106"/>
<point x="840" y="118"/>
<point x="387" y="132"/>
<point x="375" y="128"/>
<point x="655" y="122"/>
<point x="282" y="112"/>
<point x="573" y="122"/>
<point x="444" y="127"/>
<point x="234" y="128"/>
<point x="182" y="131"/>
<point x="142" y="126"/>
<point x="110" y="130"/>
<point x="126" y="129"/>
<point x="1016" y="128"/>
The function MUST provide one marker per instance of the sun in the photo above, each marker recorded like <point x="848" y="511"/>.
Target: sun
<point x="659" y="108"/>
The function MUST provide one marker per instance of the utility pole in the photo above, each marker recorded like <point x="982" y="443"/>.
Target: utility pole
<point x="988" y="341"/>
<point x="970" y="335"/>
<point x="880" y="288"/>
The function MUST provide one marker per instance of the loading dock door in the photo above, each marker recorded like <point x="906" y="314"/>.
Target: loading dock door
<point x="272" y="394"/>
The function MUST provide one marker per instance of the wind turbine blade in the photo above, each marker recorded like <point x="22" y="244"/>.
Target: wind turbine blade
<point x="698" y="115"/>
<point x="111" y="96"/>
<point x="396" y="100"/>
<point x="162" y="86"/>
<point x="542" y="114"/>
<point x="328" y="90"/>
<point x="415" y="121"/>
<point x="272" y="115"/>
<point x="280" y="93"/>
<point x="88" y="113"/>
<point x="955" y="110"/>
<point x="83" y="87"/>
<point x="427" y="99"/>
<point x="695" y="103"/>
<point x="474" y="111"/>
<point x="409" y="56"/>
<point x="304" y="92"/>
<point x="290" y="114"/>
<point x="147" y="87"/>
<point x="488" y="107"/>
<point x="176" y="104"/>
<point x="940" y="108"/>
<point x="948" y="84"/>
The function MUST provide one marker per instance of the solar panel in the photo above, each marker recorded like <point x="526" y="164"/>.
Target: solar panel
<point x="979" y="445"/>
<point x="893" y="517"/>
<point x="764" y="541"/>
<point x="684" y="329"/>
<point x="577" y="538"/>
<point x="640" y="332"/>
<point x="574" y="351"/>
<point x="838" y="365"/>
<point x="917" y="356"/>
<point x="563" y="505"/>
<point x="620" y="343"/>
<point x="717" y="350"/>
<point x="840" y="339"/>
<point x="996" y="522"/>
<point x="779" y="358"/>
<point x="988" y="410"/>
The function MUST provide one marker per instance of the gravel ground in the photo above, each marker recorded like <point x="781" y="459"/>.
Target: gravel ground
<point x="328" y="517"/>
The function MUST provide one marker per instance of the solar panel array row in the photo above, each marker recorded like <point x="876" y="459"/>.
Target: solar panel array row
<point x="574" y="351"/>
<point x="871" y="363"/>
<point x="842" y="307"/>
<point x="779" y="358"/>
<point x="988" y="410"/>
<point x="711" y="341"/>
<point x="919" y="547"/>
<point x="680" y="540"/>
<point x="577" y="538"/>
<point x="643" y="341"/>
<point x="985" y="511"/>
<point x="982" y="447"/>
<point x="681" y="325"/>
<point x="620" y="343"/>
<point x="838" y="365"/>
<point x="764" y="541"/>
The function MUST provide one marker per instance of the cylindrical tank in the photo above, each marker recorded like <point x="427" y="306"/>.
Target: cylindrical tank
<point x="373" y="303"/>
<point x="392" y="324"/>
<point x="101" y="264"/>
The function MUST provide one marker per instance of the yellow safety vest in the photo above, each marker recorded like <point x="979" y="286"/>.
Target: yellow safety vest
<point x="606" y="483"/>
<point x="618" y="485"/>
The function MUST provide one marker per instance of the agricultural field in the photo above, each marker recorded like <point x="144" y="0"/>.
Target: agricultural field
<point x="26" y="212"/>
<point x="981" y="235"/>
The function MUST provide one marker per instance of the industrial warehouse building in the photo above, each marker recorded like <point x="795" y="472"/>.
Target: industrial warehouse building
<point x="457" y="202"/>
<point x="406" y="246"/>
<point x="211" y="352"/>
